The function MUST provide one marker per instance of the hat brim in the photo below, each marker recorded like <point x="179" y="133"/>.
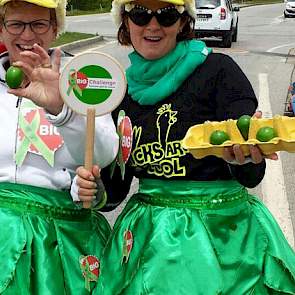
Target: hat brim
<point x="116" y="10"/>
<point x="42" y="3"/>
<point x="174" y="2"/>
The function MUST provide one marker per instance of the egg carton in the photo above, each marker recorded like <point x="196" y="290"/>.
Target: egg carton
<point x="197" y="138"/>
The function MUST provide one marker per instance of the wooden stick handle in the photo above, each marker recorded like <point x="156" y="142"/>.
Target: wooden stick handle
<point x="89" y="145"/>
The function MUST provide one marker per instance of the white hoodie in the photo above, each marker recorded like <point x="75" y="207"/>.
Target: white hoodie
<point x="59" y="141"/>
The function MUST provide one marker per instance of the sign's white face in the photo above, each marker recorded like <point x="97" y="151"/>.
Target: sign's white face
<point x="92" y="80"/>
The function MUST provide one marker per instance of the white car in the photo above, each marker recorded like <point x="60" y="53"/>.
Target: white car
<point x="289" y="8"/>
<point x="217" y="18"/>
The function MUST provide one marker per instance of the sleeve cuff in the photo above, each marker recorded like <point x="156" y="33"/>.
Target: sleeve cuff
<point x="62" y="118"/>
<point x="75" y="190"/>
<point x="234" y="162"/>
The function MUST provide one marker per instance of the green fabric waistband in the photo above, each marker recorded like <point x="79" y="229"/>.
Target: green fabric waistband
<point x="191" y="194"/>
<point x="40" y="201"/>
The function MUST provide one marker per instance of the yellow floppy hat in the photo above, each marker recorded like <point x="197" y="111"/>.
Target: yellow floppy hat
<point x="58" y="5"/>
<point x="117" y="6"/>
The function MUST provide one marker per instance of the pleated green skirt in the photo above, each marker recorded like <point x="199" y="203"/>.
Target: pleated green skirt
<point x="196" y="238"/>
<point x="48" y="245"/>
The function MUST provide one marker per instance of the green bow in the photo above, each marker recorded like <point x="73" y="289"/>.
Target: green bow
<point x="31" y="137"/>
<point x="119" y="158"/>
<point x="73" y="83"/>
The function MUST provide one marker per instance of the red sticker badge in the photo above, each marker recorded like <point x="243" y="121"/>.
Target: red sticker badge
<point x="46" y="132"/>
<point x="125" y="129"/>
<point x="90" y="269"/>
<point x="127" y="245"/>
<point x="37" y="135"/>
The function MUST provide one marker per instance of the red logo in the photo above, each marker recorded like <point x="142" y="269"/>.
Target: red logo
<point x="46" y="131"/>
<point x="125" y="128"/>
<point x="127" y="245"/>
<point x="90" y="269"/>
<point x="82" y="80"/>
<point x="90" y="263"/>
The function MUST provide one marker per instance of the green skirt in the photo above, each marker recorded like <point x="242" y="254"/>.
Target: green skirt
<point x="196" y="238"/>
<point x="48" y="245"/>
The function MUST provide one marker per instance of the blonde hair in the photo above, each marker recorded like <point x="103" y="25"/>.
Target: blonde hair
<point x="57" y="15"/>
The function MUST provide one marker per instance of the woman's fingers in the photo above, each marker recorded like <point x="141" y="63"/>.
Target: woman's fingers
<point x="56" y="59"/>
<point x="87" y="194"/>
<point x="228" y="154"/>
<point x="87" y="189"/>
<point x="257" y="114"/>
<point x="96" y="171"/>
<point x="273" y="156"/>
<point x="27" y="68"/>
<point x="234" y="154"/>
<point x="31" y="58"/>
<point x="41" y="52"/>
<point x="239" y="155"/>
<point x="86" y="183"/>
<point x="84" y="173"/>
<point x="37" y="57"/>
<point x="256" y="154"/>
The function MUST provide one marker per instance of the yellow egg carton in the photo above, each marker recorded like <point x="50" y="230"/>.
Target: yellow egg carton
<point x="197" y="138"/>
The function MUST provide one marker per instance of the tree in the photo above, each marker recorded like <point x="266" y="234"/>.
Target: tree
<point x="89" y="4"/>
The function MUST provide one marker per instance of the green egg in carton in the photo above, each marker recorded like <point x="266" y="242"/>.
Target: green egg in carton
<point x="284" y="137"/>
<point x="198" y="139"/>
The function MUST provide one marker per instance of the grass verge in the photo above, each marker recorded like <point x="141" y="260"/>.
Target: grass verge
<point x="68" y="37"/>
<point x="82" y="12"/>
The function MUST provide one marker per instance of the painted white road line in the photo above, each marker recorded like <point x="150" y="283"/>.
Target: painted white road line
<point x="273" y="185"/>
<point x="80" y="21"/>
<point x="278" y="20"/>
<point x="281" y="46"/>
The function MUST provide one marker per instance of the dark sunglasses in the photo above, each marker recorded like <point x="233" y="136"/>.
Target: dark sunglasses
<point x="166" y="16"/>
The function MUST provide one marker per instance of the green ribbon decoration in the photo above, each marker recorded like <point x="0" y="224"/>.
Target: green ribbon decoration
<point x="125" y="252"/>
<point x="119" y="158"/>
<point x="104" y="199"/>
<point x="88" y="275"/>
<point x="31" y="137"/>
<point x="73" y="82"/>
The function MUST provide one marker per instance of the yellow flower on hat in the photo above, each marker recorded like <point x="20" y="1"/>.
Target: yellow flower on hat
<point x="58" y="5"/>
<point x="117" y="6"/>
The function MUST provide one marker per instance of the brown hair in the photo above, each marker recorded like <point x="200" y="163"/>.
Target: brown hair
<point x="187" y="33"/>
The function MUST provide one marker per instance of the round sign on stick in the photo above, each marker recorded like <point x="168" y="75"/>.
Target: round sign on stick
<point x="92" y="84"/>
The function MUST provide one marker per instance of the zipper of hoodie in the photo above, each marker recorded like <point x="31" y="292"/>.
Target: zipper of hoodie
<point x="18" y="105"/>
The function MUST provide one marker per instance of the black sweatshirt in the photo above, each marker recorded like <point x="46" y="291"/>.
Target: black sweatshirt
<point x="217" y="90"/>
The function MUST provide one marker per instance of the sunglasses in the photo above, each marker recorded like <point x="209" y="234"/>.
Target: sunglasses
<point x="166" y="16"/>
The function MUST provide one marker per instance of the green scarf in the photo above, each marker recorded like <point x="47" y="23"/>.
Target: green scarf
<point x="150" y="81"/>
